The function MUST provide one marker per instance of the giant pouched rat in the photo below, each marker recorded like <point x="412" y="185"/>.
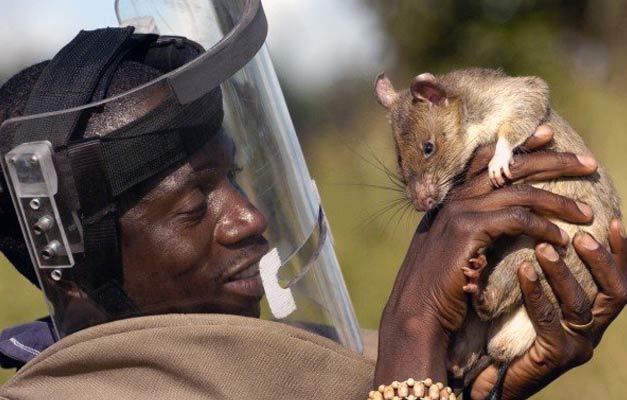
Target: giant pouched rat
<point x="438" y="124"/>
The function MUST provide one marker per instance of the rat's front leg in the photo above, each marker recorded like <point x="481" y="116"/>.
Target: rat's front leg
<point x="511" y="134"/>
<point x="498" y="167"/>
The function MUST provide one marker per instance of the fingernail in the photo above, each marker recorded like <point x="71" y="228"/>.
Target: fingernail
<point x="530" y="272"/>
<point x="543" y="132"/>
<point x="588" y="242"/>
<point x="587" y="161"/>
<point x="565" y="237"/>
<point x="548" y="252"/>
<point x="585" y="209"/>
<point x="621" y="228"/>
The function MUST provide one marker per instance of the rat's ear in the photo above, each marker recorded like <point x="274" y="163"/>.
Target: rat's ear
<point x="386" y="95"/>
<point x="425" y="87"/>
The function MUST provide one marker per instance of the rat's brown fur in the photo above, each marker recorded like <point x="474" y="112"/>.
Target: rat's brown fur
<point x="482" y="105"/>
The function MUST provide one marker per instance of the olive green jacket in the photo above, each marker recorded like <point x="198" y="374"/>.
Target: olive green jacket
<point x="192" y="357"/>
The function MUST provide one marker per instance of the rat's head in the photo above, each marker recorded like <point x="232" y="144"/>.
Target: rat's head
<point x="427" y="131"/>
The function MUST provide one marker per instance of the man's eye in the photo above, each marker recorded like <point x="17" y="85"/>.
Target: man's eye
<point x="428" y="148"/>
<point x="195" y="215"/>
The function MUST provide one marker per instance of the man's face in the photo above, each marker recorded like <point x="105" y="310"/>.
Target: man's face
<point x="194" y="242"/>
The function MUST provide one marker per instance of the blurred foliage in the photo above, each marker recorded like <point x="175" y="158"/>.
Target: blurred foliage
<point x="521" y="36"/>
<point x="22" y="301"/>
<point x="577" y="46"/>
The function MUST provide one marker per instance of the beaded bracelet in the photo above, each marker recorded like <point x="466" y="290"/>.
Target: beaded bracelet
<point x="413" y="390"/>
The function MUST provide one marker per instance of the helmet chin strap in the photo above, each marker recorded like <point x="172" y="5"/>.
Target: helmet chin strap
<point x="281" y="300"/>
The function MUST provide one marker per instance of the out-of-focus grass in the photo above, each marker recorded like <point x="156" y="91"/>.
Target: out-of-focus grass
<point x="21" y="301"/>
<point x="370" y="251"/>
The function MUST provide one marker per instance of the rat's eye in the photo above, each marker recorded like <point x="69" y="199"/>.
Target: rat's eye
<point x="428" y="148"/>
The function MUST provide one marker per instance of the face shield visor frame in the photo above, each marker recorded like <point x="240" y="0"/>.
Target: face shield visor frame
<point x="301" y="274"/>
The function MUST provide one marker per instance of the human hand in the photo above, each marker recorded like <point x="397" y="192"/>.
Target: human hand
<point x="427" y="303"/>
<point x="559" y="346"/>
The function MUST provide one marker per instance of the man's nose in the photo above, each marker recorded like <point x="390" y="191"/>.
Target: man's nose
<point x="240" y="221"/>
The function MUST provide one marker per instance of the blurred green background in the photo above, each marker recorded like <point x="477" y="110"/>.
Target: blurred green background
<point x="577" y="46"/>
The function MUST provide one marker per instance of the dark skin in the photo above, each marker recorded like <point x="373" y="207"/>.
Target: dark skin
<point x="416" y="329"/>
<point x="211" y="233"/>
<point x="198" y="214"/>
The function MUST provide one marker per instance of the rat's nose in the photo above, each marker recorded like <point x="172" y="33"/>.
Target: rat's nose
<point x="423" y="194"/>
<point x="429" y="203"/>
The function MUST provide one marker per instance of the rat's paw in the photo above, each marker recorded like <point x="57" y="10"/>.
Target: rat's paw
<point x="498" y="168"/>
<point x="473" y="272"/>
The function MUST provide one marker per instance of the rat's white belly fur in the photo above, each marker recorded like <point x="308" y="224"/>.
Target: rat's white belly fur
<point x="511" y="336"/>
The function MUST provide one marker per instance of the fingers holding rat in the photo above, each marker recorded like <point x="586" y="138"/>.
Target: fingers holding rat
<point x="555" y="349"/>
<point x="540" y="310"/>
<point x="544" y="166"/>
<point x="540" y="201"/>
<point x="541" y="137"/>
<point x="512" y="221"/>
<point x="618" y="244"/>
<point x="609" y="276"/>
<point x="559" y="347"/>
<point x="526" y="167"/>
<point x="507" y="215"/>
<point x="573" y="301"/>
<point x="532" y="167"/>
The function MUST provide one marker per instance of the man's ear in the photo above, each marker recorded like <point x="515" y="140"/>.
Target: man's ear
<point x="386" y="95"/>
<point x="425" y="87"/>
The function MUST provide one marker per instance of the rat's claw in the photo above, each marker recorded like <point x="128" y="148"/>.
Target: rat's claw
<point x="499" y="168"/>
<point x="472" y="272"/>
<point x="499" y="178"/>
<point x="471" y="288"/>
<point x="478" y="263"/>
<point x="506" y="170"/>
<point x="493" y="179"/>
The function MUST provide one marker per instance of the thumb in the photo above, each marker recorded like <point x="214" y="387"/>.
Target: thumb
<point x="541" y="311"/>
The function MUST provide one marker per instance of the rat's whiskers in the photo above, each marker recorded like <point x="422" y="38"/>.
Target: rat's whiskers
<point x="368" y="185"/>
<point x="379" y="166"/>
<point x="388" y="206"/>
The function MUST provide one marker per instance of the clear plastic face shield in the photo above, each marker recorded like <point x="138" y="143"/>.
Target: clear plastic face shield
<point x="67" y="189"/>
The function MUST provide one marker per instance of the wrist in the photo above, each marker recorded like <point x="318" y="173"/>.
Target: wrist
<point x="413" y="347"/>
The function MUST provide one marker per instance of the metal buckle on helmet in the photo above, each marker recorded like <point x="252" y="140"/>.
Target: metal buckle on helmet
<point x="33" y="182"/>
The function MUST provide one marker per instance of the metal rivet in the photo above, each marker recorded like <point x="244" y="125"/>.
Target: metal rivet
<point x="51" y="250"/>
<point x="56" y="274"/>
<point x="35" y="204"/>
<point x="34" y="160"/>
<point x="43" y="224"/>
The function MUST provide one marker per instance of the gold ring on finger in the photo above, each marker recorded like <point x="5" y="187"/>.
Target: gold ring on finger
<point x="574" y="328"/>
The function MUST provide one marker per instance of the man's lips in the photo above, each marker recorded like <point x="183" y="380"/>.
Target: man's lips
<point x="247" y="287"/>
<point x="245" y="266"/>
<point x="243" y="278"/>
<point x="243" y="272"/>
<point x="242" y="275"/>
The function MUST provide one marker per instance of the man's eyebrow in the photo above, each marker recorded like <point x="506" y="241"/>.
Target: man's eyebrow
<point x="207" y="172"/>
<point x="197" y="177"/>
<point x="191" y="181"/>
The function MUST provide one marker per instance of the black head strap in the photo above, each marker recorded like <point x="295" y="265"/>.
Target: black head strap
<point x="72" y="78"/>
